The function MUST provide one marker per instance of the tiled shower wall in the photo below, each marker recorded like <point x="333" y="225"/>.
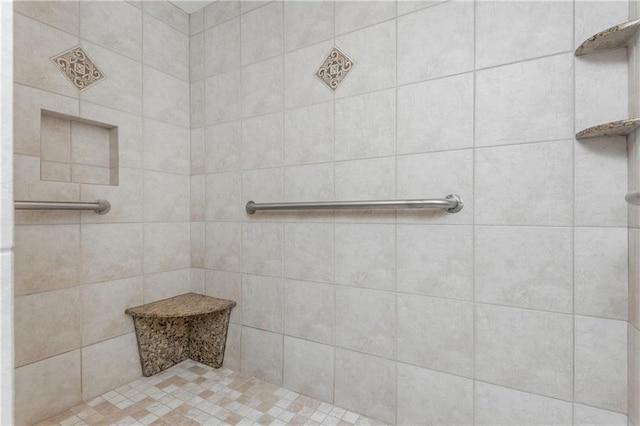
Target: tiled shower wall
<point x="634" y="230"/>
<point x="6" y="215"/>
<point x="76" y="273"/>
<point x="512" y="311"/>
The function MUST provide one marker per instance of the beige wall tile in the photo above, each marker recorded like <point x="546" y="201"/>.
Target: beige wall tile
<point x="262" y="247"/>
<point x="55" y="138"/>
<point x="222" y="195"/>
<point x="534" y="97"/>
<point x="166" y="97"/>
<point x="436" y="333"/>
<point x="222" y="47"/>
<point x="48" y="387"/>
<point x="366" y="321"/>
<point x="260" y="95"/>
<point x="262" y="354"/>
<point x="633" y="339"/>
<point x="501" y="27"/>
<point x="166" y="197"/>
<point x="601" y="363"/>
<point x="33" y="39"/>
<point x="226" y="88"/>
<point x="90" y="144"/>
<point x="27" y="105"/>
<point x="63" y="16"/>
<point x="103" y="305"/>
<point x="166" y="147"/>
<point x="226" y="285"/>
<point x="375" y="134"/>
<point x="428" y="265"/>
<point x="262" y="33"/>
<point x="370" y="179"/>
<point x="262" y="302"/>
<point x="223" y="246"/>
<point x="109" y="364"/>
<point x="307" y="23"/>
<point x="422" y="36"/>
<point x="432" y="176"/>
<point x="308" y="368"/>
<point x="351" y="15"/>
<point x="526" y="350"/>
<point x="166" y="246"/>
<point x="122" y="87"/>
<point x="114" y="25"/>
<point x="497" y="405"/>
<point x="233" y="348"/>
<point x="197" y="244"/>
<point x="46" y="258"/>
<point x="125" y="200"/>
<point x="223" y="147"/>
<point x="601" y="273"/>
<point x="166" y="48"/>
<point x="308" y="261"/>
<point x="198" y="151"/>
<point x="163" y="285"/>
<point x="196" y="58"/>
<point x="365" y="384"/>
<point x="262" y="139"/>
<point x="309" y="310"/>
<point x="308" y="133"/>
<point x="584" y="415"/>
<point x="365" y="256"/>
<point x="197" y="280"/>
<point x="525" y="267"/>
<point x="436" y="115"/>
<point x="368" y="48"/>
<point x="301" y="86"/>
<point x="533" y="177"/>
<point x="46" y="324"/>
<point x="129" y="131"/>
<point x="216" y="13"/>
<point x="57" y="172"/>
<point x="168" y="13"/>
<point x="432" y="397"/>
<point x="111" y="251"/>
<point x="601" y="167"/>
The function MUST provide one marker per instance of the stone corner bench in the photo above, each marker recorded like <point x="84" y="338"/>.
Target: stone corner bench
<point x="186" y="326"/>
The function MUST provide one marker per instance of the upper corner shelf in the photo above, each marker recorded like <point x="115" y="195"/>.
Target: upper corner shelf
<point x="614" y="128"/>
<point x="609" y="39"/>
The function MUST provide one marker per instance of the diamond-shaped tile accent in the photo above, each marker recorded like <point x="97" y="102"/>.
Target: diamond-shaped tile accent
<point x="334" y="68"/>
<point x="76" y="65"/>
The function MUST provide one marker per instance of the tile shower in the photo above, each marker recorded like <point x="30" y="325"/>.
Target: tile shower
<point x="520" y="309"/>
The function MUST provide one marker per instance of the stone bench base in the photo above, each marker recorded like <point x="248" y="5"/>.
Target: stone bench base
<point x="186" y="326"/>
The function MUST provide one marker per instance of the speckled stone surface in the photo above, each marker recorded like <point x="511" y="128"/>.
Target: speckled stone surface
<point x="609" y="39"/>
<point x="614" y="128"/>
<point x="186" y="326"/>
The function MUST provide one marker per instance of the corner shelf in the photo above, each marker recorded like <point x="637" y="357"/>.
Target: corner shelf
<point x="609" y="39"/>
<point x="613" y="128"/>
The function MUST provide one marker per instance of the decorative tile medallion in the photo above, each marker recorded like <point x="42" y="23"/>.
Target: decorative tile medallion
<point x="334" y="68"/>
<point x="76" y="65"/>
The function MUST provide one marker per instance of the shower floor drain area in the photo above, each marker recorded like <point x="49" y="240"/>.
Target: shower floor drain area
<point x="191" y="393"/>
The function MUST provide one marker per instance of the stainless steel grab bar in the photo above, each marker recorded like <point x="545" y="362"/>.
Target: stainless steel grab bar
<point x="633" y="197"/>
<point x="99" y="206"/>
<point x="452" y="203"/>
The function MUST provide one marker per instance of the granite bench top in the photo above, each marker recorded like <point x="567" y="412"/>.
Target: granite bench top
<point x="184" y="305"/>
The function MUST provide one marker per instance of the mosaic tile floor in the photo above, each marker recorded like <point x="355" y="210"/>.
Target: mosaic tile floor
<point x="195" y="394"/>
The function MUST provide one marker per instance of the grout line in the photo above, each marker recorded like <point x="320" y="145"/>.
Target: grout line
<point x="474" y="331"/>
<point x="395" y="226"/>
<point x="573" y="227"/>
<point x="333" y="220"/>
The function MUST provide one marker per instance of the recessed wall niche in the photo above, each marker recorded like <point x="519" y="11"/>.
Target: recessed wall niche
<point x="77" y="150"/>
